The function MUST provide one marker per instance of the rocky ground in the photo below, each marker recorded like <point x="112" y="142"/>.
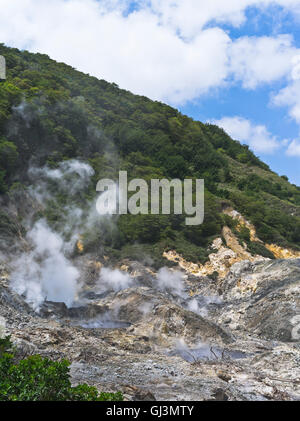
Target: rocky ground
<point x="236" y="338"/>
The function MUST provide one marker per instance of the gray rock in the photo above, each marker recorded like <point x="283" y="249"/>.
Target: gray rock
<point x="244" y="348"/>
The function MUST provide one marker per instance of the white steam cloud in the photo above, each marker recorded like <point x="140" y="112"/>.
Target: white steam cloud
<point x="168" y="280"/>
<point x="2" y="328"/>
<point x="173" y="282"/>
<point x="193" y="306"/>
<point x="45" y="273"/>
<point x="72" y="175"/>
<point x="146" y="308"/>
<point x="201" y="351"/>
<point x="69" y="178"/>
<point x="200" y="305"/>
<point x="114" y="280"/>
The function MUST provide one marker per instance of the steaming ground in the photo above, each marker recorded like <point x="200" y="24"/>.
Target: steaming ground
<point x="45" y="270"/>
<point x="203" y="351"/>
<point x="164" y="336"/>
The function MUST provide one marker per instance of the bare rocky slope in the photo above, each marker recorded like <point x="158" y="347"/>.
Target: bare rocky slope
<point x="235" y="338"/>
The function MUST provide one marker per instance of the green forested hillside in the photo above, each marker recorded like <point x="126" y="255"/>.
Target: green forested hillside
<point x="50" y="112"/>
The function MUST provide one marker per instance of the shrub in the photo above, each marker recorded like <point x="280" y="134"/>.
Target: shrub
<point x="40" y="379"/>
<point x="255" y="247"/>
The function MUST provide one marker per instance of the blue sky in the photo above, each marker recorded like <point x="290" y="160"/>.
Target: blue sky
<point x="235" y="63"/>
<point x="255" y="104"/>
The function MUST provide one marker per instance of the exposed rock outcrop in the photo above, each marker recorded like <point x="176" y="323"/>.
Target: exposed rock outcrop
<point x="223" y="256"/>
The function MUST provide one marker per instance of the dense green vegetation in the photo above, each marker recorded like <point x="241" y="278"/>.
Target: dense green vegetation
<point x="40" y="379"/>
<point x="50" y="112"/>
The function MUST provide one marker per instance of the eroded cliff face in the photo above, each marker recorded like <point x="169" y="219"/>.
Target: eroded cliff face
<point x="279" y="252"/>
<point x="223" y="256"/>
<point x="220" y="260"/>
<point x="242" y="222"/>
<point x="282" y="253"/>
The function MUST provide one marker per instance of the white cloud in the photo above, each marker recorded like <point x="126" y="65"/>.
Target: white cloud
<point x="162" y="50"/>
<point x="190" y="16"/>
<point x="134" y="51"/>
<point x="290" y="97"/>
<point x="262" y="60"/>
<point x="256" y="136"/>
<point x="294" y="148"/>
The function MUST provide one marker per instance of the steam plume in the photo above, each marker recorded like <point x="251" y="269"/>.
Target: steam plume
<point x="114" y="280"/>
<point x="44" y="272"/>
